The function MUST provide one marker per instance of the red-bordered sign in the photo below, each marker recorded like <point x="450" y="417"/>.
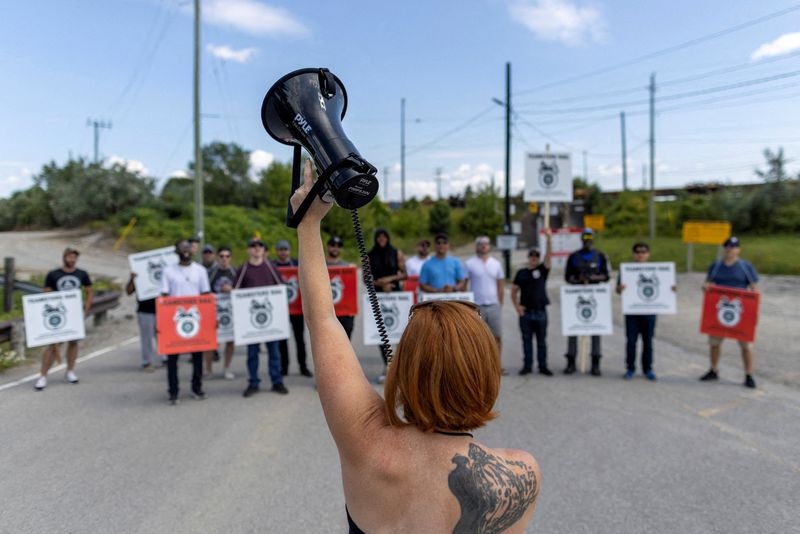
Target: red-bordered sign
<point x="412" y="284"/>
<point x="730" y="312"/>
<point x="344" y="285"/>
<point x="186" y="324"/>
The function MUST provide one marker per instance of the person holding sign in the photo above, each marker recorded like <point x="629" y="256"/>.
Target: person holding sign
<point x="184" y="279"/>
<point x="146" y="317"/>
<point x="62" y="279"/>
<point x="639" y="325"/>
<point x="442" y="273"/>
<point x="220" y="278"/>
<point x="422" y="471"/>
<point x="731" y="272"/>
<point x="529" y="295"/>
<point x="258" y="271"/>
<point x="585" y="266"/>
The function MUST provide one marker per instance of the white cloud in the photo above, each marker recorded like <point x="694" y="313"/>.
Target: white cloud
<point x="559" y="20"/>
<point x="227" y="53"/>
<point x="12" y="183"/>
<point x="131" y="165"/>
<point x="260" y="159"/>
<point x="786" y="43"/>
<point x="180" y="173"/>
<point x="253" y="17"/>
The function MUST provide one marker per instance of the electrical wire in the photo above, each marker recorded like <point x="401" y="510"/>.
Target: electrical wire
<point x="450" y="132"/>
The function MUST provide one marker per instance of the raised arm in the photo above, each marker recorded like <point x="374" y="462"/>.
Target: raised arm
<point x="353" y="410"/>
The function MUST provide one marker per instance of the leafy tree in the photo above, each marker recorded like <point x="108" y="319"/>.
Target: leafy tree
<point x="274" y="185"/>
<point x="178" y="190"/>
<point x="439" y="218"/>
<point x="226" y="175"/>
<point x="26" y="209"/>
<point x="481" y="216"/>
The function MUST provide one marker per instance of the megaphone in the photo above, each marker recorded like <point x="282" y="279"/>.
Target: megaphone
<point x="305" y="109"/>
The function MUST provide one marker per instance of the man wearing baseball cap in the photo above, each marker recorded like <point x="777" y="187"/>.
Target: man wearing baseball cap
<point x="585" y="266"/>
<point x="731" y="271"/>
<point x="333" y="258"/>
<point x="284" y="259"/>
<point x="209" y="261"/>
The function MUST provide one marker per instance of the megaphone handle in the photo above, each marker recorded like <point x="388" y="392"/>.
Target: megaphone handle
<point x="296" y="161"/>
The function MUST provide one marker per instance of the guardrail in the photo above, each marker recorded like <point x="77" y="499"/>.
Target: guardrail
<point x="25" y="287"/>
<point x="13" y="331"/>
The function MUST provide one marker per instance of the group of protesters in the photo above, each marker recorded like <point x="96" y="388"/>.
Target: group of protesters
<point x="437" y="272"/>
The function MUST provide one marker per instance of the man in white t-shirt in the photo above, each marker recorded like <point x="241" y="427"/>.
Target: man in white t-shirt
<point x="185" y="279"/>
<point x="414" y="264"/>
<point x="486" y="281"/>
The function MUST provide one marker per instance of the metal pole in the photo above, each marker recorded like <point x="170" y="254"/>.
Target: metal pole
<point x="652" y="156"/>
<point x="439" y="183"/>
<point x="585" y="169"/>
<point x="624" y="153"/>
<point x="198" y="156"/>
<point x="8" y="289"/>
<point x="96" y="142"/>
<point x="507" y="253"/>
<point x="386" y="184"/>
<point x="402" y="151"/>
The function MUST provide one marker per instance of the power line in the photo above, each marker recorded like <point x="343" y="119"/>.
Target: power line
<point x="450" y="132"/>
<point x="664" y="51"/>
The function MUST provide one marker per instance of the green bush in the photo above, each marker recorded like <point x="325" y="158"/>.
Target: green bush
<point x="481" y="216"/>
<point x="439" y="218"/>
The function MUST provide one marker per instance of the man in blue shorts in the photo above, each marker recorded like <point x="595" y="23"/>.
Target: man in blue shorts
<point x="442" y="273"/>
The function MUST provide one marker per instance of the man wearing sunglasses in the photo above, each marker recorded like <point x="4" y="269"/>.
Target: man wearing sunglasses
<point x="731" y="272"/>
<point x="221" y="277"/>
<point x="442" y="273"/>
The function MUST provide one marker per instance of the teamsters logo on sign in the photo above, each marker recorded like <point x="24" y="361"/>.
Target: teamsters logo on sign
<point x="391" y="316"/>
<point x="260" y="313"/>
<point x="337" y="286"/>
<point x="548" y="175"/>
<point x="224" y="316"/>
<point x="55" y="317"/>
<point x="187" y="322"/>
<point x="647" y="287"/>
<point x="154" y="269"/>
<point x="292" y="291"/>
<point x="586" y="308"/>
<point x="729" y="312"/>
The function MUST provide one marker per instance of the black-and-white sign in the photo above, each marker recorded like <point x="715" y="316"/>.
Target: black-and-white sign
<point x="395" y="308"/>
<point x="648" y="288"/>
<point x="462" y="295"/>
<point x="507" y="242"/>
<point x="260" y="314"/>
<point x="586" y="310"/>
<point x="224" y="318"/>
<point x="148" y="266"/>
<point x="548" y="177"/>
<point x="53" y="317"/>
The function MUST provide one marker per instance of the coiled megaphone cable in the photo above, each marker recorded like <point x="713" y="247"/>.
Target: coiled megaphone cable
<point x="369" y="282"/>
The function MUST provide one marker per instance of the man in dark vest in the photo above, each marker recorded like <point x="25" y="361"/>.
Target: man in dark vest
<point x="585" y="266"/>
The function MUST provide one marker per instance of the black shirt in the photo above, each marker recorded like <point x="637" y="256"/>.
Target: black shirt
<point x="582" y="264"/>
<point x="219" y="277"/>
<point x="531" y="283"/>
<point x="59" y="280"/>
<point x="146" y="306"/>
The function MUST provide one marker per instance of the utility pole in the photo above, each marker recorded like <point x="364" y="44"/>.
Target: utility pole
<point x="644" y="176"/>
<point x="507" y="225"/>
<point x="402" y="151"/>
<point x="439" y="183"/>
<point x="652" y="156"/>
<point x="97" y="124"/>
<point x="386" y="184"/>
<point x="198" y="156"/>
<point x="585" y="169"/>
<point x="624" y="152"/>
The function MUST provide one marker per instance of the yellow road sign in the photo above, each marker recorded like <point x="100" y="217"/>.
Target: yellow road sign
<point x="595" y="222"/>
<point x="706" y="232"/>
<point x="533" y="207"/>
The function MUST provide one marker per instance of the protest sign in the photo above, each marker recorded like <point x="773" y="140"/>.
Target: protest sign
<point x="586" y="310"/>
<point x="730" y="312"/>
<point x="292" y="290"/>
<point x="148" y="266"/>
<point x="648" y="288"/>
<point x="186" y="324"/>
<point x="260" y="314"/>
<point x="565" y="241"/>
<point x="53" y="317"/>
<point x="395" y="308"/>
<point x="412" y="284"/>
<point x="548" y="177"/>
<point x="224" y="318"/>
<point x="344" y="284"/>
<point x="461" y="295"/>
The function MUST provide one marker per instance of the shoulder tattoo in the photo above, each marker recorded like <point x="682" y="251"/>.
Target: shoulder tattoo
<point x="493" y="493"/>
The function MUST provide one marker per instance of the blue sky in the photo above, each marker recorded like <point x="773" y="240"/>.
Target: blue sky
<point x="130" y="62"/>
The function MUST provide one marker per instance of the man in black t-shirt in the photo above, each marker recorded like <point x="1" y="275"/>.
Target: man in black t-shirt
<point x="63" y="279"/>
<point x="529" y="296"/>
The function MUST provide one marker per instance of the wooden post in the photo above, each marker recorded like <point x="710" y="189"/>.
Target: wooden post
<point x="8" y="290"/>
<point x="18" y="339"/>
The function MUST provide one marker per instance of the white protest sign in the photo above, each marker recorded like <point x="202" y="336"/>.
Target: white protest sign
<point x="648" y="288"/>
<point x="148" y="266"/>
<point x="462" y="295"/>
<point x="224" y="318"/>
<point x="260" y="314"/>
<point x="53" y="317"/>
<point x="395" y="308"/>
<point x="548" y="177"/>
<point x="565" y="241"/>
<point x="586" y="310"/>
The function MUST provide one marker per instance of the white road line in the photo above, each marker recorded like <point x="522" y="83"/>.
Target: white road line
<point x="62" y="366"/>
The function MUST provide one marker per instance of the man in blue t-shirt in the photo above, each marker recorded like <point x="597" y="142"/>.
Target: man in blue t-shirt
<point x="442" y="273"/>
<point x="731" y="272"/>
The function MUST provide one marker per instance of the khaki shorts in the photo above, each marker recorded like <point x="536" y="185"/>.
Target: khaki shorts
<point x="715" y="341"/>
<point x="492" y="315"/>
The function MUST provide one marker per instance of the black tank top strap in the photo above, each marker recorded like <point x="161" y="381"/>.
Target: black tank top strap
<point x="352" y="524"/>
<point x="453" y="433"/>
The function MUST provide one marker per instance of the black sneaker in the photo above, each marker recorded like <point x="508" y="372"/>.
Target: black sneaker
<point x="525" y="371"/>
<point x="749" y="382"/>
<point x="199" y="395"/>
<point x="173" y="401"/>
<point x="306" y="372"/>
<point x="279" y="388"/>
<point x="710" y="375"/>
<point x="545" y="371"/>
<point x="251" y="390"/>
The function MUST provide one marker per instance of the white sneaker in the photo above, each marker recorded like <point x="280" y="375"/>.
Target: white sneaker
<point x="41" y="383"/>
<point x="229" y="375"/>
<point x="71" y="377"/>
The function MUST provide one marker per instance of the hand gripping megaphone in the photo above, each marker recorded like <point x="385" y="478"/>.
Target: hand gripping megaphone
<point x="305" y="109"/>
